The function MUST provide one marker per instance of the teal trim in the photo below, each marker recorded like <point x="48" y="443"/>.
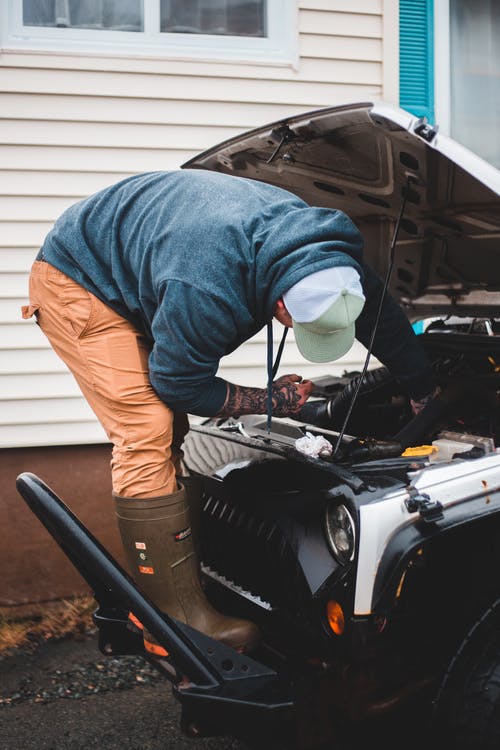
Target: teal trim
<point x="418" y="327"/>
<point x="416" y="57"/>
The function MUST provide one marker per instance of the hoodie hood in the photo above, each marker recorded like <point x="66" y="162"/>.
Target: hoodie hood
<point x="298" y="243"/>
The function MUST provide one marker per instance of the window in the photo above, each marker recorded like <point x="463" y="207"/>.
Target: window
<point x="228" y="17"/>
<point x="475" y="76"/>
<point x="120" y="15"/>
<point x="251" y="30"/>
<point x="468" y="74"/>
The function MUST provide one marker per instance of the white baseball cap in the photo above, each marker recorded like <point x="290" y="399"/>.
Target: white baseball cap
<point x="324" y="307"/>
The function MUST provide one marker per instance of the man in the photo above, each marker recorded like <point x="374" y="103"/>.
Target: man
<point x="144" y="286"/>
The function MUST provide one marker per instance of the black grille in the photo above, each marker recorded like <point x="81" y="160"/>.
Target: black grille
<point x="252" y="552"/>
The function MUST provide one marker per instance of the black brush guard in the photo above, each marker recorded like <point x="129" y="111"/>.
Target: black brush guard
<point x="220" y="690"/>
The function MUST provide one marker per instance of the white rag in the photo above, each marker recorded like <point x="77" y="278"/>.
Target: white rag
<point x="314" y="445"/>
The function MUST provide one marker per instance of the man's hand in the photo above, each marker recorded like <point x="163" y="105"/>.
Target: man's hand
<point x="290" y="393"/>
<point x="418" y="406"/>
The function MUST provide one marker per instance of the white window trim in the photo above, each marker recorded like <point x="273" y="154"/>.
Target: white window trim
<point x="442" y="84"/>
<point x="280" y="47"/>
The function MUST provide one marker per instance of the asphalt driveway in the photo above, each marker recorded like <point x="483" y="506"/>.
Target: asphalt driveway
<point x="65" y="695"/>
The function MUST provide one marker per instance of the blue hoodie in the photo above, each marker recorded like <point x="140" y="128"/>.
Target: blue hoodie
<point x="197" y="260"/>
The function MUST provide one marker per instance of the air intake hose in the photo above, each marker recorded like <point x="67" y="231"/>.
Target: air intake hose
<point x="331" y="412"/>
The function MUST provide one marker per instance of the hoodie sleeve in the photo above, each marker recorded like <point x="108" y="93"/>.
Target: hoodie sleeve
<point x="396" y="345"/>
<point x="191" y="332"/>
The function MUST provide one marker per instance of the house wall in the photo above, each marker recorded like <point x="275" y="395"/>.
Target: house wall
<point x="33" y="568"/>
<point x="72" y="124"/>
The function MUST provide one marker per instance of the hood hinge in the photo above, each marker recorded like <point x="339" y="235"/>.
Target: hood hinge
<point x="418" y="502"/>
<point x="425" y="131"/>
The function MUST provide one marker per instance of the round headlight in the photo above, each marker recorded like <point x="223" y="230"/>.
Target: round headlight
<point x="340" y="532"/>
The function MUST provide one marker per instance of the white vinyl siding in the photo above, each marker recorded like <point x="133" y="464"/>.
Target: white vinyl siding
<point x="72" y="124"/>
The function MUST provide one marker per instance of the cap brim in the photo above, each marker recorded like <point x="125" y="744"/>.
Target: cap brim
<point x="324" y="347"/>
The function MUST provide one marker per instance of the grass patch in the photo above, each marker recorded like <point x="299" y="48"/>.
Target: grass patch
<point x="28" y="625"/>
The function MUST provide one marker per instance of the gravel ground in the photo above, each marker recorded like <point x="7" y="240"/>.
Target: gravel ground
<point x="88" y="679"/>
<point x="65" y="695"/>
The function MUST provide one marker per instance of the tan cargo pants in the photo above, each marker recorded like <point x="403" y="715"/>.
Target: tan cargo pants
<point x="109" y="359"/>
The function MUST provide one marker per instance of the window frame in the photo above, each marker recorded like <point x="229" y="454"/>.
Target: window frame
<point x="279" y="47"/>
<point x="442" y="73"/>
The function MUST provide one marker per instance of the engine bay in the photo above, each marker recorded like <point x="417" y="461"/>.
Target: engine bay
<point x="465" y="356"/>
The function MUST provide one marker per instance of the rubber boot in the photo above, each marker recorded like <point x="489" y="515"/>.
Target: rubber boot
<point x="193" y="488"/>
<point x="159" y="548"/>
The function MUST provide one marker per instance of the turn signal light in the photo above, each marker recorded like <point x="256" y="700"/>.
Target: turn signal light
<point x="335" y="616"/>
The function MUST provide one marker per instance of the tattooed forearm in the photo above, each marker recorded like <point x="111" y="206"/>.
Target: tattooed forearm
<point x="244" y="400"/>
<point x="286" y="399"/>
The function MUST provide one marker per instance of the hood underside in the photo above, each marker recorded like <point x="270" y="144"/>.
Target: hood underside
<point x="363" y="159"/>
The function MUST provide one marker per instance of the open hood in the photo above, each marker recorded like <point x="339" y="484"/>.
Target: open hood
<point x="361" y="159"/>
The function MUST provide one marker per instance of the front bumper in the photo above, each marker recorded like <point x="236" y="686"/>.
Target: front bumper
<point x="221" y="691"/>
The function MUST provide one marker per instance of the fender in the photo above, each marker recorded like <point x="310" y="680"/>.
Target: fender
<point x="391" y="531"/>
